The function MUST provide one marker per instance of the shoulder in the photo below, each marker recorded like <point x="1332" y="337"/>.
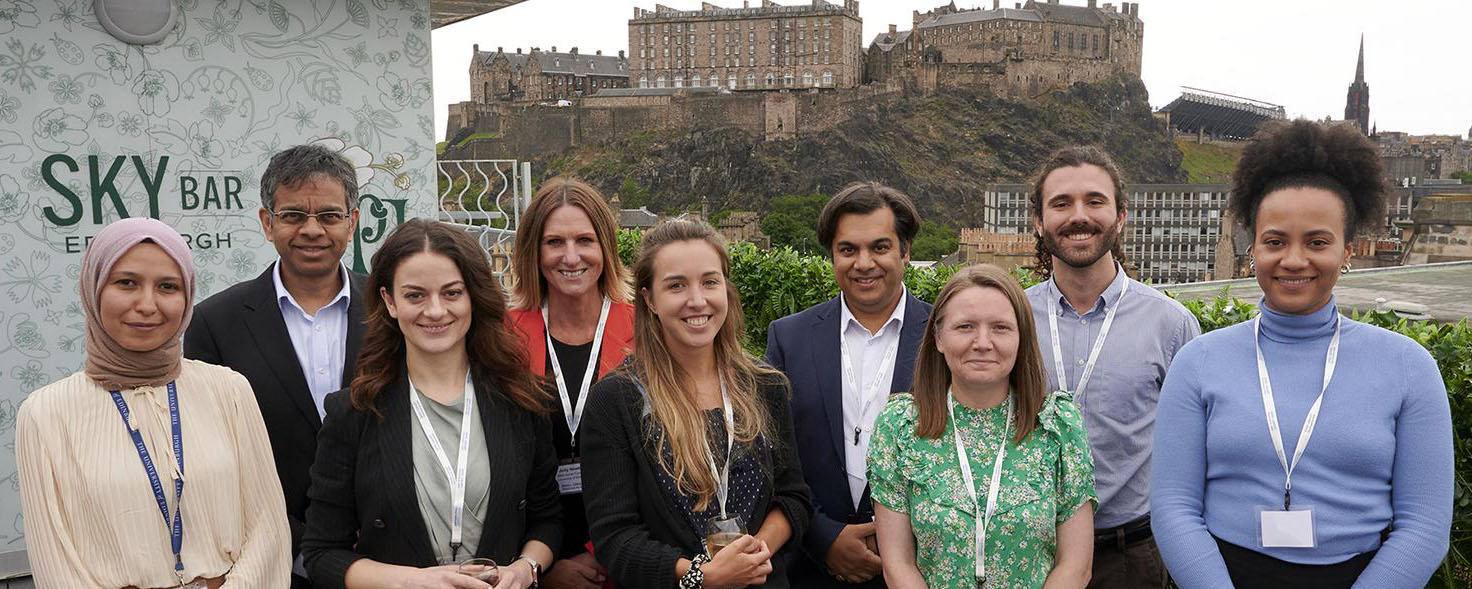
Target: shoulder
<point x="219" y="377"/>
<point x="1159" y="302"/>
<point x="58" y="398"/>
<point x="226" y="302"/>
<point x="899" y="412"/>
<point x="1060" y="415"/>
<point x="1226" y="339"/>
<point x="1377" y="341"/>
<point x="801" y="319"/>
<point x="613" y="392"/>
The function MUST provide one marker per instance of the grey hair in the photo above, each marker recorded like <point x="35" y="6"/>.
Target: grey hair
<point x="306" y="162"/>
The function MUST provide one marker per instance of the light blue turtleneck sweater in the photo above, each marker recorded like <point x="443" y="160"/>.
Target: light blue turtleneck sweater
<point x="1381" y="452"/>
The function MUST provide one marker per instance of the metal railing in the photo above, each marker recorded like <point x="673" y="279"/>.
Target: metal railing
<point x="486" y="198"/>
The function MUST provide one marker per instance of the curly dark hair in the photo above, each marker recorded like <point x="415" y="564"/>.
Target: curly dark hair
<point x="1305" y="154"/>
<point x="1070" y="157"/>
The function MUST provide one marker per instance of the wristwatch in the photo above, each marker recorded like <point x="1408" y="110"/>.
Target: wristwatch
<point x="536" y="569"/>
<point x="694" y="578"/>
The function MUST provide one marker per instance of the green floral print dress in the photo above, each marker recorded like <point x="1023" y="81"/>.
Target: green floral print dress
<point x="1044" y="481"/>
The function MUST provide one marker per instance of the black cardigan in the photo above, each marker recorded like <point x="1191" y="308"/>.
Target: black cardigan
<point x="638" y="533"/>
<point x="363" y="502"/>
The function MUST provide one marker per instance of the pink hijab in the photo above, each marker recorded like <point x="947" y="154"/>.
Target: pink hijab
<point x="109" y="363"/>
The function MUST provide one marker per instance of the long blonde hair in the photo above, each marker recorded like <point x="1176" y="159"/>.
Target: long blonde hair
<point x="528" y="286"/>
<point x="676" y="418"/>
<point x="933" y="375"/>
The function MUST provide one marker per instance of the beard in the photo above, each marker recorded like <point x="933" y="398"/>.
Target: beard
<point x="1056" y="244"/>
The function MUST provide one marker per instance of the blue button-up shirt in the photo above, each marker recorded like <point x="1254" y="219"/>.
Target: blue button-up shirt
<point x="320" y="339"/>
<point x="1119" y="403"/>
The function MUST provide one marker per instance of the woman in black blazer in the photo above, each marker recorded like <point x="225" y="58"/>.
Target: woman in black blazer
<point x="659" y="432"/>
<point x="442" y="394"/>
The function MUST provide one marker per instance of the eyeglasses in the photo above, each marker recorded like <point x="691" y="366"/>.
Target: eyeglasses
<point x="326" y="218"/>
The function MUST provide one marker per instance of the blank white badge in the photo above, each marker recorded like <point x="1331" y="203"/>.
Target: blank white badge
<point x="1287" y="529"/>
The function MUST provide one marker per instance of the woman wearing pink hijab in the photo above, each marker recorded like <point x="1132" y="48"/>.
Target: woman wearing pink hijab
<point x="146" y="470"/>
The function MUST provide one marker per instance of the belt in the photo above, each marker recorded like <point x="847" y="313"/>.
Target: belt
<point x="1124" y="535"/>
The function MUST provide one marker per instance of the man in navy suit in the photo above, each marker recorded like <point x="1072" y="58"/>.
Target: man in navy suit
<point x="844" y="357"/>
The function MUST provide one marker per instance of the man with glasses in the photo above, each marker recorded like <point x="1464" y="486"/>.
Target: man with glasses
<point x="293" y="331"/>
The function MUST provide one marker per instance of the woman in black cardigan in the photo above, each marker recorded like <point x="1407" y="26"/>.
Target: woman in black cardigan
<point x="440" y="376"/>
<point x="657" y="433"/>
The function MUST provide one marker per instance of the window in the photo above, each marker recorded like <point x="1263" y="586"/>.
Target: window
<point x="659" y="82"/>
<point x="694" y="81"/>
<point x="731" y="81"/>
<point x="750" y="79"/>
<point x="787" y="79"/>
<point x="807" y="78"/>
<point x="827" y="78"/>
<point x="679" y="81"/>
<point x="1070" y="41"/>
<point x="1056" y="35"/>
<point x="771" y="79"/>
<point x="692" y="39"/>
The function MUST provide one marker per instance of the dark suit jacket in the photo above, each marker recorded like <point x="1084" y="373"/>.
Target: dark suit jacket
<point x="242" y="328"/>
<point x="638" y="533"/>
<point x="805" y="346"/>
<point x="363" y="498"/>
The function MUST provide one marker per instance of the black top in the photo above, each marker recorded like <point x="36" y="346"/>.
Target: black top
<point x="363" y="503"/>
<point x="639" y="532"/>
<point x="574" y="362"/>
<point x="747" y="479"/>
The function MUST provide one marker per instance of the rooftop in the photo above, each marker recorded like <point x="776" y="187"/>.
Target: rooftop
<point x="1441" y="287"/>
<point x="444" y="12"/>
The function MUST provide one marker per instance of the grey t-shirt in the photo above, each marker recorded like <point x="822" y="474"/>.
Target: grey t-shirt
<point x="431" y="486"/>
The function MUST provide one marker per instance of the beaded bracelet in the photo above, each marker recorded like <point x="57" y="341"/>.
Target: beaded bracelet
<point x="694" y="578"/>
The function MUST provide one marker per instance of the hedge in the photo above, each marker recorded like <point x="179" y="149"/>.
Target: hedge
<point x="778" y="282"/>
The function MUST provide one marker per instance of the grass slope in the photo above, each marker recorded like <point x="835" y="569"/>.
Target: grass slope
<point x="1207" y="163"/>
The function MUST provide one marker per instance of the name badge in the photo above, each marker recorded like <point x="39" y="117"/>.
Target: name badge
<point x="1287" y="529"/>
<point x="570" y="477"/>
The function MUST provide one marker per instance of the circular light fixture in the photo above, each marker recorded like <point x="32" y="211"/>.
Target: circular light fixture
<point x="136" y="22"/>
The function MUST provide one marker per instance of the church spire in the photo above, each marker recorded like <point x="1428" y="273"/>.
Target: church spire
<point x="1359" y="69"/>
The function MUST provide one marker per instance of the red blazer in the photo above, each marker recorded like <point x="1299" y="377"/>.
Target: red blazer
<point x="618" y="337"/>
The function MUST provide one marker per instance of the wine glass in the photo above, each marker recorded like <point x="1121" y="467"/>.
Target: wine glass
<point x="483" y="569"/>
<point x="720" y="532"/>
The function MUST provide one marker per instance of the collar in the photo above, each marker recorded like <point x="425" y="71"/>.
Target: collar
<point x="845" y="317"/>
<point x="1282" y="327"/>
<point x="1108" y="297"/>
<point x="282" y="295"/>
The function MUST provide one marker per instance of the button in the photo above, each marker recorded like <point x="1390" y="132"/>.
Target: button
<point x="1083" y="321"/>
<point x="520" y="505"/>
<point x="1080" y="361"/>
<point x="378" y="523"/>
<point x="318" y="329"/>
<point x="321" y="371"/>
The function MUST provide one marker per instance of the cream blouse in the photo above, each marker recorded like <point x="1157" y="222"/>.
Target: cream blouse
<point x="91" y="519"/>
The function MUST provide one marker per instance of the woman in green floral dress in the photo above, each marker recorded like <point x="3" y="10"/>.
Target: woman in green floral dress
<point x="979" y="395"/>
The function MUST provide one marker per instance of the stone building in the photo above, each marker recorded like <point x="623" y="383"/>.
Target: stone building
<point x="1357" y="98"/>
<point x="1175" y="233"/>
<point x="1008" y="250"/>
<point x="1442" y="230"/>
<point x="768" y="47"/>
<point x="540" y="76"/>
<point x="744" y="226"/>
<point x="1021" y="51"/>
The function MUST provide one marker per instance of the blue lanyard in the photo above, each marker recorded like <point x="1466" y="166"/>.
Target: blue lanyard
<point x="176" y="530"/>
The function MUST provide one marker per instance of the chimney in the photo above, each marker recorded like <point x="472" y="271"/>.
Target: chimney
<point x="554" y="49"/>
<point x="893" y="29"/>
<point x="598" y="52"/>
<point x="817" y="3"/>
<point x="1017" y="5"/>
<point x="1093" y="3"/>
<point x="746" y="3"/>
<point x="475" y="48"/>
<point x="500" y="49"/>
<point x="996" y="4"/>
<point x="574" y="50"/>
<point x="620" y="54"/>
<point x="518" y="51"/>
<point x="1135" y="9"/>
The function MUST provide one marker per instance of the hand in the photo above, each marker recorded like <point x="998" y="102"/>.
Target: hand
<point x="849" y="558"/>
<point x="517" y="575"/>
<point x="578" y="572"/>
<point x="747" y="561"/>
<point x="440" y="577"/>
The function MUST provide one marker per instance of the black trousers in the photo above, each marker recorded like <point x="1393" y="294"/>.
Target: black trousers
<point x="1250" y="569"/>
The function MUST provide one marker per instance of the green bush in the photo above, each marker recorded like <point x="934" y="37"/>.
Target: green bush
<point x="778" y="282"/>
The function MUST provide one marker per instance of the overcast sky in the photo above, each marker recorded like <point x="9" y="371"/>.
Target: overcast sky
<point x="1296" y="53"/>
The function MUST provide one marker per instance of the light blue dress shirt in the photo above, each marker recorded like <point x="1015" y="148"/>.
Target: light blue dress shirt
<point x="320" y="339"/>
<point x="1119" y="402"/>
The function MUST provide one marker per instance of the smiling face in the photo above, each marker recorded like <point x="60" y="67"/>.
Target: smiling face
<point x="430" y="303"/>
<point x="868" y="261"/>
<point x="1299" y="247"/>
<point x="688" y="294"/>
<point x="570" y="255"/>
<point x="143" y="301"/>
<point x="978" y="336"/>
<point x="1080" y="221"/>
<point x="310" y="250"/>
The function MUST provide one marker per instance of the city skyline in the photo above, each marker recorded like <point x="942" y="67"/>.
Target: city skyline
<point x="1410" y="89"/>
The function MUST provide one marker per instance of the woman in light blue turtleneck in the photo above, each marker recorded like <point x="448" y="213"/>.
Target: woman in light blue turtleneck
<point x="1371" y="495"/>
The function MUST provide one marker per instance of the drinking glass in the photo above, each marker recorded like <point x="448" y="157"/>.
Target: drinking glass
<point x="483" y="569"/>
<point x="720" y="532"/>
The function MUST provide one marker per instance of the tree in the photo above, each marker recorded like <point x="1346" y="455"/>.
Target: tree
<point x="1465" y="176"/>
<point x="792" y="221"/>
<point x="631" y="194"/>
<point x="934" y="241"/>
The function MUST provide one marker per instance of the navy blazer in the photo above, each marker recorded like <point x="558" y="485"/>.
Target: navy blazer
<point x="805" y="346"/>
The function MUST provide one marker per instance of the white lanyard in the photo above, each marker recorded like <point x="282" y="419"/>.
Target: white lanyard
<point x="1270" y="408"/>
<point x="575" y="416"/>
<point x="1083" y="378"/>
<point x="869" y="393"/>
<point x="723" y="475"/>
<point x="983" y="519"/>
<point x="456" y="477"/>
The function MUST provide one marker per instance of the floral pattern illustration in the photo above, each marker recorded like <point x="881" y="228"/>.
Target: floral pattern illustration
<point x="200" y="113"/>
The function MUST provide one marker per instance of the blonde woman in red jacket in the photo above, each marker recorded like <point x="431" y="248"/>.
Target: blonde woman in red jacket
<point x="573" y="315"/>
